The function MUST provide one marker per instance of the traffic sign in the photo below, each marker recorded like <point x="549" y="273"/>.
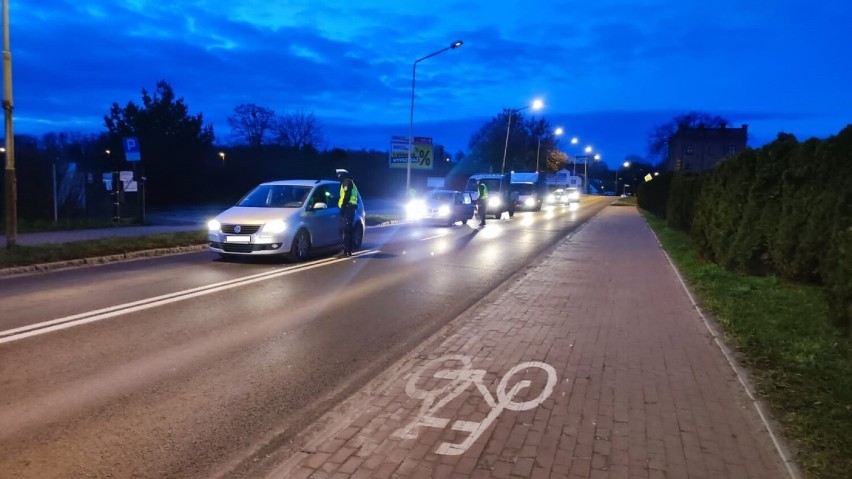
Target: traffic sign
<point x="421" y="153"/>
<point x="131" y="149"/>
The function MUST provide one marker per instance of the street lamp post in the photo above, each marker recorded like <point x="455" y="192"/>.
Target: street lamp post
<point x="536" y="105"/>
<point x="626" y="165"/>
<point x="452" y="46"/>
<point x="586" y="171"/>
<point x="8" y="105"/>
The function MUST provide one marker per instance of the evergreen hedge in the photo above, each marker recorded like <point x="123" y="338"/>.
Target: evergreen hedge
<point x="784" y="209"/>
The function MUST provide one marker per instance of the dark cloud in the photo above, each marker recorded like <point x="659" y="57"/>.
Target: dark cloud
<point x="609" y="70"/>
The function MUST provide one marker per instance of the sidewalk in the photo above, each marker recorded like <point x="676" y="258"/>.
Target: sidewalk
<point x="592" y="363"/>
<point x="169" y="222"/>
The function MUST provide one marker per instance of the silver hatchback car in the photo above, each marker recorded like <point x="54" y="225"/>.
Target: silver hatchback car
<point x="288" y="217"/>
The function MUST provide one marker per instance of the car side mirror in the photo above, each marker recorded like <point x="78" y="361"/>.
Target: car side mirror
<point x="320" y="206"/>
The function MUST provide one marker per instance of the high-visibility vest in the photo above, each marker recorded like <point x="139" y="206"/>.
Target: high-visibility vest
<point x="353" y="194"/>
<point x="482" y="191"/>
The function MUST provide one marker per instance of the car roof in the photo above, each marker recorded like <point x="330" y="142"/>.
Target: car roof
<point x="300" y="182"/>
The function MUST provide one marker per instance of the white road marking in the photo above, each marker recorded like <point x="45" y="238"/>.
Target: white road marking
<point x="148" y="303"/>
<point x="460" y="380"/>
<point x="433" y="237"/>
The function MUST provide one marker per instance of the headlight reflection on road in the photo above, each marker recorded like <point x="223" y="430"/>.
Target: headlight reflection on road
<point x="490" y="253"/>
<point x="440" y="246"/>
<point x="574" y="207"/>
<point x="527" y="220"/>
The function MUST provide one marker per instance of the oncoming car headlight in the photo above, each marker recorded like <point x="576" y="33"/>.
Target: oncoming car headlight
<point x="415" y="210"/>
<point x="213" y="225"/>
<point x="273" y="227"/>
<point x="443" y="210"/>
<point x="529" y="202"/>
<point x="493" y="201"/>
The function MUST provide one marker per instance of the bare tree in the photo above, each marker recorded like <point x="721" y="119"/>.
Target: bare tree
<point x="250" y="123"/>
<point x="298" y="130"/>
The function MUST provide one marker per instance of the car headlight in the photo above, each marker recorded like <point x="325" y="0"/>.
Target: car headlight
<point x="493" y="201"/>
<point x="443" y="210"/>
<point x="273" y="227"/>
<point x="415" y="210"/>
<point x="529" y="202"/>
<point x="551" y="198"/>
<point x="213" y="225"/>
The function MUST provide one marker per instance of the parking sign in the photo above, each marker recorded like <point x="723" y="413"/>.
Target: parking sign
<point x="131" y="148"/>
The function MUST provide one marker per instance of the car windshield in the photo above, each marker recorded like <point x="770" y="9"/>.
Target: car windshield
<point x="440" y="196"/>
<point x="276" y="196"/>
<point x="523" y="188"/>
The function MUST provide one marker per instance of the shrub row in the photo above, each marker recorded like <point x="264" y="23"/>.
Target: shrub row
<point x="783" y="209"/>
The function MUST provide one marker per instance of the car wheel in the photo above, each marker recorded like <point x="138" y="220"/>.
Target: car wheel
<point x="464" y="221"/>
<point x="357" y="237"/>
<point x="511" y="212"/>
<point x="301" y="247"/>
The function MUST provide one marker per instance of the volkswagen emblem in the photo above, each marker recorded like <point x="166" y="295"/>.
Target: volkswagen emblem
<point x="237" y="229"/>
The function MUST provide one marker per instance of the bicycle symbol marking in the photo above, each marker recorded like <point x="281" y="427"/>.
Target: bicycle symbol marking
<point x="459" y="381"/>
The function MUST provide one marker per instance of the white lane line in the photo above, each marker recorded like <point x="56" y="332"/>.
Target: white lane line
<point x="148" y="303"/>
<point x="433" y="237"/>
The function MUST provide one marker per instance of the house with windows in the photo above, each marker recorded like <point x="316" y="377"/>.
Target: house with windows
<point x="697" y="149"/>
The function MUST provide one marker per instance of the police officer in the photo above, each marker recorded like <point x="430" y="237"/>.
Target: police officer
<point x="481" y="200"/>
<point x="348" y="204"/>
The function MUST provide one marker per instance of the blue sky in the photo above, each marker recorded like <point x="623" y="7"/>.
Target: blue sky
<point x="608" y="71"/>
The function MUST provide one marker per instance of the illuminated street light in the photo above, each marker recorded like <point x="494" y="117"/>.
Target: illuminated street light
<point x="452" y="46"/>
<point x="222" y="155"/>
<point x="536" y="105"/>
<point x="586" y="168"/>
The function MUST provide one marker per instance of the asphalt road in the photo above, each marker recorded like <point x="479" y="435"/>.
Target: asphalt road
<point x="190" y="366"/>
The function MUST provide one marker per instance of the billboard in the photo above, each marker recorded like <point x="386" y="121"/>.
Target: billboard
<point x="421" y="153"/>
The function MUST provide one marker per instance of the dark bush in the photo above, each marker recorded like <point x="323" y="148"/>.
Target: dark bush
<point x="653" y="195"/>
<point x="784" y="209"/>
<point x="684" y="190"/>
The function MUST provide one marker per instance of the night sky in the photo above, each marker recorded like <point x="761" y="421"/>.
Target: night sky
<point x="608" y="71"/>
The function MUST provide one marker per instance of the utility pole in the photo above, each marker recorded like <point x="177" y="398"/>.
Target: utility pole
<point x="11" y="183"/>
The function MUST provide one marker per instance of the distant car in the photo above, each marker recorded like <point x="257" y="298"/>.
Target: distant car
<point x="557" y="197"/>
<point x="572" y="194"/>
<point x="288" y="217"/>
<point x="441" y="206"/>
<point x="564" y="196"/>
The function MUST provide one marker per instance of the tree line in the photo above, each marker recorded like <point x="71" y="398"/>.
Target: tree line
<point x="182" y="164"/>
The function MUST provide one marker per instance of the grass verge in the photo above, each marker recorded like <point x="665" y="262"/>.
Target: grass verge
<point x="800" y="364"/>
<point x="49" y="253"/>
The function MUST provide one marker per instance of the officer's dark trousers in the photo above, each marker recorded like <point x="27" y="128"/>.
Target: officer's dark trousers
<point x="347" y="216"/>
<point x="482" y="206"/>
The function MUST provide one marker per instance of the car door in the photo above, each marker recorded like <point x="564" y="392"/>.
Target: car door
<point x="464" y="205"/>
<point x="324" y="222"/>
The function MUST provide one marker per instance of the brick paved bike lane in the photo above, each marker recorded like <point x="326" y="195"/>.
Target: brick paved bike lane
<point x="591" y="363"/>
